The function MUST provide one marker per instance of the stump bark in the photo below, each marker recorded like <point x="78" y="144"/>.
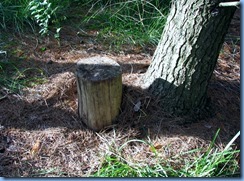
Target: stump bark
<point x="99" y="84"/>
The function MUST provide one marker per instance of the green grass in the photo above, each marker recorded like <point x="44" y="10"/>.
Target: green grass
<point x="134" y="22"/>
<point x="195" y="163"/>
<point x="13" y="76"/>
<point x="42" y="15"/>
<point x="13" y="14"/>
<point x="214" y="162"/>
<point x="14" y="79"/>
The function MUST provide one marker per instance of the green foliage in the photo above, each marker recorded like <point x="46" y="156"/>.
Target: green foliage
<point x="13" y="14"/>
<point x="119" y="22"/>
<point x="214" y="162"/>
<point x="211" y="163"/>
<point x="45" y="13"/>
<point x="113" y="167"/>
<point x="42" y="13"/>
<point x="133" y="22"/>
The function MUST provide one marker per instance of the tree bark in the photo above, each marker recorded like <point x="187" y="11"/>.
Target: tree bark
<point x="99" y="84"/>
<point x="187" y="53"/>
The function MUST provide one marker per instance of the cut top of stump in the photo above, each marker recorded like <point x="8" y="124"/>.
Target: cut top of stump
<point x="97" y="68"/>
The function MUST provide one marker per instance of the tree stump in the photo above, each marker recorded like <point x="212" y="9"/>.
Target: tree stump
<point x="99" y="84"/>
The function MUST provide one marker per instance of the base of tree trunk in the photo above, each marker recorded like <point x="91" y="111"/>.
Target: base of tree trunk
<point x="186" y="55"/>
<point x="99" y="84"/>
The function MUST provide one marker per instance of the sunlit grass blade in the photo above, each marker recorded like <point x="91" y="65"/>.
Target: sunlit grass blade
<point x="210" y="163"/>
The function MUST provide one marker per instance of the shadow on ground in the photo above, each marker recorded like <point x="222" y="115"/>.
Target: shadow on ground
<point x="58" y="108"/>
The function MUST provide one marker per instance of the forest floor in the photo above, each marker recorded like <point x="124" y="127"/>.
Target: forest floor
<point x="46" y="113"/>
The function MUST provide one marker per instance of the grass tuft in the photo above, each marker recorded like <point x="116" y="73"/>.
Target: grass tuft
<point x="13" y="79"/>
<point x="211" y="163"/>
<point x="135" y="22"/>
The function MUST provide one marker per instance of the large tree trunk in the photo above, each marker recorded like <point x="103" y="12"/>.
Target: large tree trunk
<point x="187" y="54"/>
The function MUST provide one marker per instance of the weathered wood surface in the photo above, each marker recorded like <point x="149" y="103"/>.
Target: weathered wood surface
<point x="99" y="84"/>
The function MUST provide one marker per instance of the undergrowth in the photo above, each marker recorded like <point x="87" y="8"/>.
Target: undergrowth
<point x="14" y="79"/>
<point x="19" y="16"/>
<point x="133" y="22"/>
<point x="213" y="162"/>
<point x="118" y="22"/>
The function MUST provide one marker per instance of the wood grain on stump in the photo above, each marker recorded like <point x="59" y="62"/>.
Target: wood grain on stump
<point x="99" y="84"/>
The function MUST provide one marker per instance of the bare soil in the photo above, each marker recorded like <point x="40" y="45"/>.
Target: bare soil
<point x="42" y="135"/>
